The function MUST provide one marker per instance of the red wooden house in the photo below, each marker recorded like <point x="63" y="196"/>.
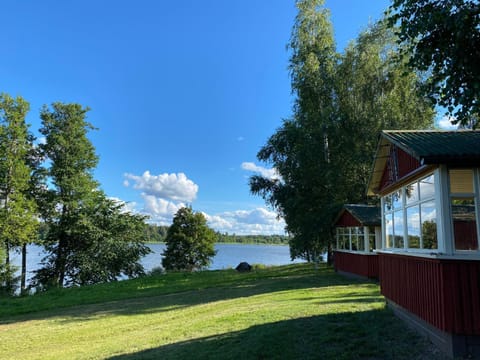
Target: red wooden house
<point x="358" y="234"/>
<point x="429" y="262"/>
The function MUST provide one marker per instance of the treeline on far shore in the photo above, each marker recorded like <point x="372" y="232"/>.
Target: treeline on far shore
<point x="158" y="233"/>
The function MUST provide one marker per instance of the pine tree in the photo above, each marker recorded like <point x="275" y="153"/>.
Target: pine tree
<point x="72" y="161"/>
<point x="18" y="217"/>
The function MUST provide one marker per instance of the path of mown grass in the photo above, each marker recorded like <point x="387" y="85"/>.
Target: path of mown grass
<point x="288" y="312"/>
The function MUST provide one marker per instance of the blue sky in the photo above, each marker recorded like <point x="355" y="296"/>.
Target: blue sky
<point x="183" y="93"/>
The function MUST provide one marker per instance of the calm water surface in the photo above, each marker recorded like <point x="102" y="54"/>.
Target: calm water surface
<point x="228" y="256"/>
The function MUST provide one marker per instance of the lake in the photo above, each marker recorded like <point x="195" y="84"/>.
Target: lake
<point x="228" y="256"/>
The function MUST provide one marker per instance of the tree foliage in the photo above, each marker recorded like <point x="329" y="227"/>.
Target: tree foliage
<point x="89" y="238"/>
<point x="323" y="153"/>
<point x="189" y="242"/>
<point x="299" y="149"/>
<point x="72" y="159"/>
<point x="373" y="92"/>
<point x="443" y="38"/>
<point x="18" y="217"/>
<point x="106" y="244"/>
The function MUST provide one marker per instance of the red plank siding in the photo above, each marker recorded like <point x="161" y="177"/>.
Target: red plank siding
<point x="406" y="163"/>
<point x="365" y="265"/>
<point x="399" y="165"/>
<point x="444" y="293"/>
<point x="347" y="220"/>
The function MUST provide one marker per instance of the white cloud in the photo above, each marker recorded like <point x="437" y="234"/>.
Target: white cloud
<point x="240" y="138"/>
<point x="445" y="123"/>
<point x="174" y="187"/>
<point x="267" y="173"/>
<point x="259" y="221"/>
<point x="163" y="195"/>
<point x="159" y="210"/>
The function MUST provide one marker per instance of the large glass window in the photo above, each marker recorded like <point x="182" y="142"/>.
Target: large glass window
<point x="351" y="238"/>
<point x="464" y="216"/>
<point x="413" y="215"/>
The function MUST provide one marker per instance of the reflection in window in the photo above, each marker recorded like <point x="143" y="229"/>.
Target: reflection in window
<point x="427" y="187"/>
<point x="398" y="229"/>
<point x="429" y="225"/>
<point x="411" y="222"/>
<point x="360" y="239"/>
<point x="387" y="203"/>
<point x="397" y="199"/>
<point x="464" y="216"/>
<point x="352" y="238"/>
<point x="413" y="227"/>
<point x="389" y="231"/>
<point x="411" y="193"/>
<point x="371" y="238"/>
<point x="464" y="223"/>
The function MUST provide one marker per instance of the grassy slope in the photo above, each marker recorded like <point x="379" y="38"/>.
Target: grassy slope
<point x="289" y="312"/>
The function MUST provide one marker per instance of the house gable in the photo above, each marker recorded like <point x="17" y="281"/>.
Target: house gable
<point x="398" y="166"/>
<point x="347" y="220"/>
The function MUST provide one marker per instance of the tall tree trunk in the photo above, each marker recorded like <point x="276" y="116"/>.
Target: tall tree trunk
<point x="7" y="253"/>
<point x="24" y="270"/>
<point x="60" y="262"/>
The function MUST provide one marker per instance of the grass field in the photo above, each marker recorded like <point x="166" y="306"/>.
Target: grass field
<point x="287" y="312"/>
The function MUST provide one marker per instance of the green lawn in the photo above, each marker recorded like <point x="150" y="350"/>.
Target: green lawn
<point x="288" y="312"/>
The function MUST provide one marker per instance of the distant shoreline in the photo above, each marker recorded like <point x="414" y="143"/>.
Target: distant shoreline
<point x="228" y="243"/>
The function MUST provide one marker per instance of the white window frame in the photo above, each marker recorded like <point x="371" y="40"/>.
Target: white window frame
<point x="403" y="209"/>
<point x="366" y="243"/>
<point x="476" y="197"/>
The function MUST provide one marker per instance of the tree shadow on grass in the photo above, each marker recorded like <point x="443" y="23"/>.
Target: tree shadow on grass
<point x="244" y="287"/>
<point x="374" y="334"/>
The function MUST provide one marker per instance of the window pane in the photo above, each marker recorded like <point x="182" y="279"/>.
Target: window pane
<point x="427" y="187"/>
<point x="398" y="229"/>
<point x="397" y="199"/>
<point x="429" y="225"/>
<point x="387" y="200"/>
<point x="389" y="231"/>
<point x="371" y="241"/>
<point x="345" y="244"/>
<point x="348" y="238"/>
<point x="339" y="237"/>
<point x="411" y="193"/>
<point x="354" y="238"/>
<point x="464" y="224"/>
<point x="371" y="238"/>
<point x="413" y="227"/>
<point x="361" y="239"/>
